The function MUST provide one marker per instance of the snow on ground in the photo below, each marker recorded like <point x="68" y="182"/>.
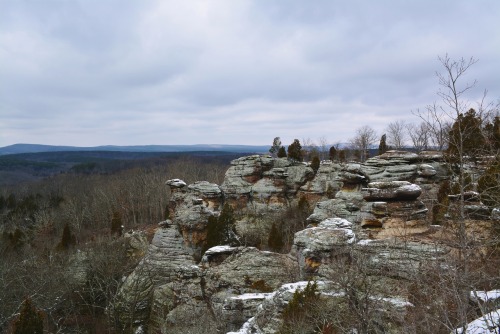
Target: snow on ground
<point x="488" y="324"/>
<point x="485" y="296"/>
<point x="219" y="249"/>
<point x="246" y="296"/>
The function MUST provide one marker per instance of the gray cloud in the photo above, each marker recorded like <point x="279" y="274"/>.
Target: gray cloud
<point x="171" y="72"/>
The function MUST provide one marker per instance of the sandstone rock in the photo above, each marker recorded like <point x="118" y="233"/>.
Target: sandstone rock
<point x="426" y="170"/>
<point x="176" y="183"/>
<point x="314" y="245"/>
<point x="166" y="253"/>
<point x="136" y="244"/>
<point x="327" y="180"/>
<point x="248" y="265"/>
<point x="391" y="190"/>
<point x="378" y="214"/>
<point x="268" y="319"/>
<point x="495" y="214"/>
<point x="399" y="258"/>
<point x="236" y="310"/>
<point x="261" y="183"/>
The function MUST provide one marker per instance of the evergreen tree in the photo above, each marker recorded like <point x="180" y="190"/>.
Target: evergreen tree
<point x="116" y="223"/>
<point x="282" y="152"/>
<point x="488" y="184"/>
<point x="315" y="163"/>
<point x="220" y="230"/>
<point x="466" y="137"/>
<point x="295" y="150"/>
<point x="382" y="147"/>
<point x="30" y="319"/>
<point x="333" y="153"/>
<point x="67" y="239"/>
<point x="342" y="156"/>
<point x="275" y="240"/>
<point x="493" y="134"/>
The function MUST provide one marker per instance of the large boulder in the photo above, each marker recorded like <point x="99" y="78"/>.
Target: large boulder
<point x="190" y="207"/>
<point x="223" y="291"/>
<point x="166" y="253"/>
<point x="391" y="190"/>
<point x="314" y="246"/>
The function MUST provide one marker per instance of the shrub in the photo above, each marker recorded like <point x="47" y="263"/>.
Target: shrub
<point x="282" y="152"/>
<point x="67" y="239"/>
<point x="295" y="150"/>
<point x="30" y="319"/>
<point x="275" y="240"/>
<point x="220" y="230"/>
<point x="315" y="163"/>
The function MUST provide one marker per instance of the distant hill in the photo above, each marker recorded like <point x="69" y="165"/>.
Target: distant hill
<point x="35" y="148"/>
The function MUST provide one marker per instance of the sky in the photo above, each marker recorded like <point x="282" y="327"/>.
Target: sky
<point x="128" y="72"/>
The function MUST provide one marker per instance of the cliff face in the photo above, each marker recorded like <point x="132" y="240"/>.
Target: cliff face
<point x="378" y="209"/>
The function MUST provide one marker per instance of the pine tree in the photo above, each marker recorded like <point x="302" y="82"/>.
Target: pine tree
<point x="382" y="147"/>
<point x="67" y="239"/>
<point x="465" y="137"/>
<point x="295" y="150"/>
<point x="333" y="153"/>
<point x="30" y="319"/>
<point x="342" y="156"/>
<point x="275" y="240"/>
<point x="221" y="230"/>
<point x="315" y="163"/>
<point x="282" y="152"/>
<point x="116" y="223"/>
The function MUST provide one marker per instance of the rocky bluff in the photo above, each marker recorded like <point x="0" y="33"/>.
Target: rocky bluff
<point x="380" y="208"/>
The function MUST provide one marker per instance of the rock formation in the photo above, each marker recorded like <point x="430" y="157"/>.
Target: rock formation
<point x="376" y="210"/>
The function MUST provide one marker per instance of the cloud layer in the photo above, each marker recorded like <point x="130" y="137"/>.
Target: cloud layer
<point x="119" y="72"/>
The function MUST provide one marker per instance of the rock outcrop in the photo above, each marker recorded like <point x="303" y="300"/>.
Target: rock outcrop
<point x="375" y="211"/>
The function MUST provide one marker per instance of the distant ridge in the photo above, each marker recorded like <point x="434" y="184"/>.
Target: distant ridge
<point x="37" y="148"/>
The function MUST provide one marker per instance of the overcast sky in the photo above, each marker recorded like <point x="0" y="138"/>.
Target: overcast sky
<point x="130" y="72"/>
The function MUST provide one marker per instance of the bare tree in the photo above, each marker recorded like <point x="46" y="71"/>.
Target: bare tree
<point x="364" y="138"/>
<point x="309" y="148"/>
<point x="455" y="108"/>
<point x="323" y="147"/>
<point x="419" y="135"/>
<point x="396" y="134"/>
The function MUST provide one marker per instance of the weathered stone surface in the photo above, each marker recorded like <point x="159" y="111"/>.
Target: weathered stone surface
<point x="236" y="310"/>
<point x="231" y="282"/>
<point x="377" y="214"/>
<point x="268" y="319"/>
<point x="391" y="190"/>
<point x="495" y="214"/>
<point x="346" y="204"/>
<point x="248" y="265"/>
<point x="426" y="170"/>
<point x="399" y="258"/>
<point x="314" y="245"/>
<point x="329" y="234"/>
<point x="176" y="183"/>
<point x="261" y="183"/>
<point x="136" y="244"/>
<point x="269" y="316"/>
<point x="166" y="253"/>
<point x="190" y="207"/>
<point x="326" y="180"/>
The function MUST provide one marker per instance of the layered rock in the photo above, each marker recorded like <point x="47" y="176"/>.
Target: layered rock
<point x="391" y="191"/>
<point x="314" y="246"/>
<point x="166" y="253"/>
<point x="356" y="203"/>
<point x="190" y="208"/>
<point x="228" y="285"/>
